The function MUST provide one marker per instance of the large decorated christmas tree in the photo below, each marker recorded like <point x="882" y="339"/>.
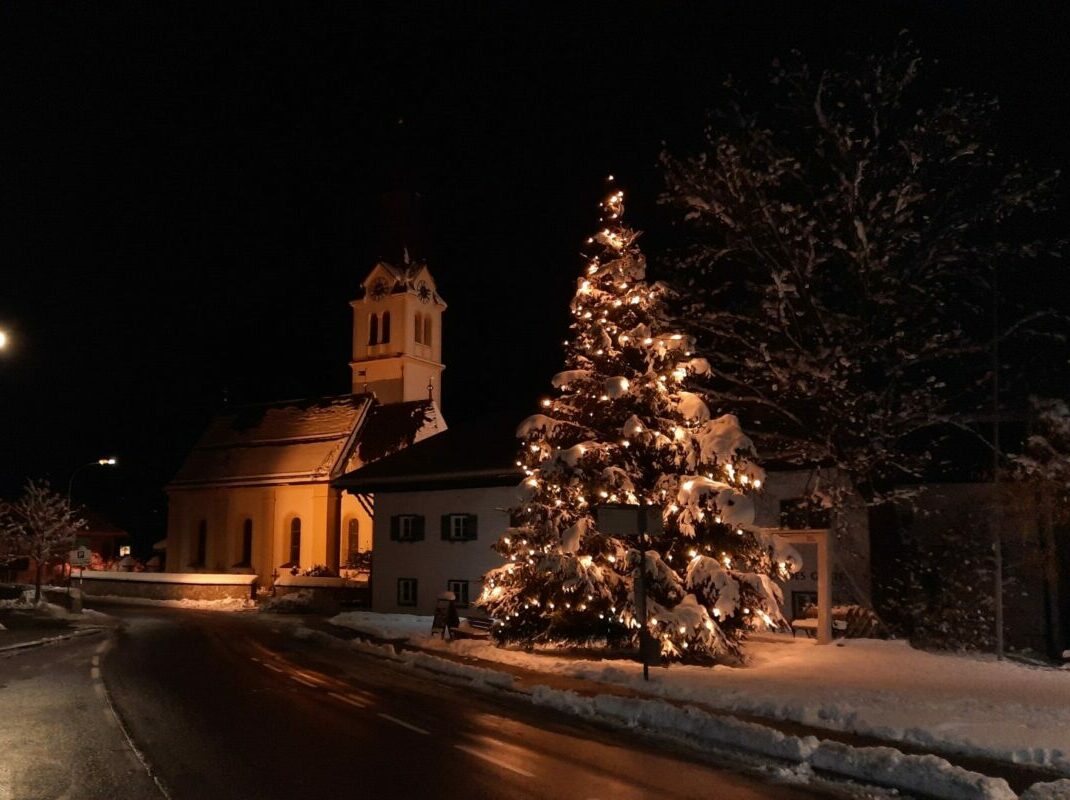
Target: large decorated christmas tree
<point x="628" y="425"/>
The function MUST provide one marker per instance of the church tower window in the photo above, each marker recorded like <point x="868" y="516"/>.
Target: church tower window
<point x="386" y="328"/>
<point x="373" y="329"/>
<point x="418" y="327"/>
<point x="295" y="541"/>
<point x="427" y="330"/>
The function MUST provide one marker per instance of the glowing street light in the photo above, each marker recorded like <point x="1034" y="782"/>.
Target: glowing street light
<point x="110" y="461"/>
<point x="3" y="339"/>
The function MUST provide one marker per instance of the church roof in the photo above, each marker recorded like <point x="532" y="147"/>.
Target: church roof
<point x="481" y="453"/>
<point x="302" y="441"/>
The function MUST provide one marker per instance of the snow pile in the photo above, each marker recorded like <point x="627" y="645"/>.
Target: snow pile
<point x="927" y="774"/>
<point x="384" y="626"/>
<point x="969" y="705"/>
<point x="1057" y="790"/>
<point x="409" y="658"/>
<point x="222" y="604"/>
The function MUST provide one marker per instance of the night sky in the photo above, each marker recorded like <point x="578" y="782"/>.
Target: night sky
<point x="190" y="193"/>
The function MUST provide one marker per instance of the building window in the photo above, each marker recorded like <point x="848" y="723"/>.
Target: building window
<point x="386" y="327"/>
<point x="406" y="527"/>
<point x="418" y="327"/>
<point x="353" y="543"/>
<point x="460" y="591"/>
<point x="200" y="556"/>
<point x="406" y="591"/>
<point x="295" y="542"/>
<point x="459" y="527"/>
<point x="802" y="513"/>
<point x="246" y="544"/>
<point x="427" y="330"/>
<point x="373" y="329"/>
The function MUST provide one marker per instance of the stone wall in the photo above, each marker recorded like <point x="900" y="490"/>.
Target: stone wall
<point x="167" y="586"/>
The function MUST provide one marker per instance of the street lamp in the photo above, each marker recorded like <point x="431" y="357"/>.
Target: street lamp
<point x="3" y="339"/>
<point x="111" y="461"/>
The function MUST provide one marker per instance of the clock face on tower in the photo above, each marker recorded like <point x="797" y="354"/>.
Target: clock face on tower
<point x="379" y="289"/>
<point x="423" y="291"/>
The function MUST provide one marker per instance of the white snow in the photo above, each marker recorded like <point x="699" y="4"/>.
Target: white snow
<point x="966" y="704"/>
<point x="196" y="578"/>
<point x="222" y="604"/>
<point x="384" y="626"/>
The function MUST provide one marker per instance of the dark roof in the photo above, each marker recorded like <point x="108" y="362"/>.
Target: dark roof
<point x="480" y="453"/>
<point x="96" y="525"/>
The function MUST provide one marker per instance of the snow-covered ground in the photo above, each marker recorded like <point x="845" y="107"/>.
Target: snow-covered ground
<point x="882" y="688"/>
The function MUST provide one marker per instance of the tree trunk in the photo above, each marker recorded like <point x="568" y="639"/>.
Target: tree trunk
<point x="37" y="581"/>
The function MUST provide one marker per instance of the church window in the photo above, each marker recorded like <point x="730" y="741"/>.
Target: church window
<point x="419" y="328"/>
<point x="386" y="327"/>
<point x="373" y="329"/>
<point x="295" y="541"/>
<point x="201" y="554"/>
<point x="427" y="330"/>
<point x="246" y="544"/>
<point x="353" y="543"/>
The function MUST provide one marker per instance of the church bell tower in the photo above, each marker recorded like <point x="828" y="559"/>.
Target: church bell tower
<point x="397" y="335"/>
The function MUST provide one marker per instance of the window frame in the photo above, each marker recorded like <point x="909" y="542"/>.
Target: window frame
<point x="295" y="541"/>
<point x="415" y="592"/>
<point x="461" y="602"/>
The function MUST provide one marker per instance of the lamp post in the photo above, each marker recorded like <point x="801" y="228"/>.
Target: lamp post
<point x="100" y="462"/>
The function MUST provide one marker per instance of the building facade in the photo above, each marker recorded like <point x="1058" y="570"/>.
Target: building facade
<point x="255" y="493"/>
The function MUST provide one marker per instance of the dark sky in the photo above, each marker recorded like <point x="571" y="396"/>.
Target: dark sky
<point x="188" y="191"/>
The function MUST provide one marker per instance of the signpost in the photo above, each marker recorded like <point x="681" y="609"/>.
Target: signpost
<point x="78" y="557"/>
<point x="635" y="521"/>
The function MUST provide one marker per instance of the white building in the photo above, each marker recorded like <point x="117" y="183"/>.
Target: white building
<point x="440" y="505"/>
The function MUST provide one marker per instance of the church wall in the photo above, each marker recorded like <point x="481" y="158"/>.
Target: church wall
<point x="352" y="510"/>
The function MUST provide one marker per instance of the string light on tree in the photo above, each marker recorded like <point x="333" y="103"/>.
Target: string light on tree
<point x="629" y="423"/>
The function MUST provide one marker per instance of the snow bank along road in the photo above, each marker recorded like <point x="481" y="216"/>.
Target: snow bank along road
<point x="233" y="706"/>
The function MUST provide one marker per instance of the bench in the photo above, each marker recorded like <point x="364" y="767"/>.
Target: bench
<point x="472" y="628"/>
<point x="808" y="625"/>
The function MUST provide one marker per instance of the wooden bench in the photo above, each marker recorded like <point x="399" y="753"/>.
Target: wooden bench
<point x="472" y="628"/>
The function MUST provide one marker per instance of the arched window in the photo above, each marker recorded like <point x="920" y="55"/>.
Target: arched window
<point x="386" y="327"/>
<point x="200" y="555"/>
<point x="373" y="329"/>
<point x="427" y="330"/>
<point x="295" y="541"/>
<point x="419" y="328"/>
<point x="246" y="544"/>
<point x="352" y="542"/>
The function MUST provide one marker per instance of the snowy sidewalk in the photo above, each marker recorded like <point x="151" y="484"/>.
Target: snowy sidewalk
<point x="999" y="719"/>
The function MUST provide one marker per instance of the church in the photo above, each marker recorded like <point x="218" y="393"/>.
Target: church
<point x="255" y="494"/>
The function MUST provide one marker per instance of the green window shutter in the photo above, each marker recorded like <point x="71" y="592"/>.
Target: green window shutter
<point x="418" y="528"/>
<point x="472" y="526"/>
<point x="394" y="528"/>
<point x="445" y="527"/>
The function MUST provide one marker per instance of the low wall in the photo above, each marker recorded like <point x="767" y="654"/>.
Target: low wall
<point x="327" y="595"/>
<point x="167" y="585"/>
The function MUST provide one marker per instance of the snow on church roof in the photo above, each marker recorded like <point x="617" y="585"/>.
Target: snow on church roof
<point x="299" y="441"/>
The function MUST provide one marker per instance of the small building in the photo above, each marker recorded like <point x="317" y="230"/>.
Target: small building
<point x="440" y="506"/>
<point x="255" y="494"/>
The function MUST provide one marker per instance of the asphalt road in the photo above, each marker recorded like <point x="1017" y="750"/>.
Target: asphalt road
<point x="236" y="706"/>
